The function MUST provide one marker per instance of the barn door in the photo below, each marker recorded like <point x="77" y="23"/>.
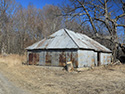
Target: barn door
<point x="33" y="58"/>
<point x="30" y="58"/>
<point x="98" y="59"/>
<point x="48" y="58"/>
<point x="62" y="59"/>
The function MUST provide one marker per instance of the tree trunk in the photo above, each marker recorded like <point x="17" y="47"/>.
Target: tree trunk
<point x="115" y="46"/>
<point x="3" y="49"/>
<point x="115" y="52"/>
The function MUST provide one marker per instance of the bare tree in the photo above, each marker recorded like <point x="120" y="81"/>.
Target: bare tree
<point x="51" y="21"/>
<point x="123" y="7"/>
<point x="32" y="24"/>
<point x="98" y="11"/>
<point x="7" y="8"/>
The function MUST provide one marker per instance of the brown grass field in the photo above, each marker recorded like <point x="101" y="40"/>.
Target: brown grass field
<point x="54" y="80"/>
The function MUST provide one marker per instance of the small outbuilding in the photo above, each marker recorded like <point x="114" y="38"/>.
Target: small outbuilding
<point x="65" y="46"/>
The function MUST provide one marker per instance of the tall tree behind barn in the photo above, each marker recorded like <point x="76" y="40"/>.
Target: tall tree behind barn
<point x="102" y="12"/>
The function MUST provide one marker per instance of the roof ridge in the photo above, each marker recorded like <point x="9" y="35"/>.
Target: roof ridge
<point x="71" y="38"/>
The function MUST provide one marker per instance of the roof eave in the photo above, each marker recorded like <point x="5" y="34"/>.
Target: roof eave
<point x="69" y="49"/>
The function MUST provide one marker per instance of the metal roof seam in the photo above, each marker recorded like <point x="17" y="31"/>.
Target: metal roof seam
<point x="71" y="38"/>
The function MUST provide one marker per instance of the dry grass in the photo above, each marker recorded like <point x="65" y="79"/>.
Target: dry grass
<point x="51" y="80"/>
<point x="12" y="60"/>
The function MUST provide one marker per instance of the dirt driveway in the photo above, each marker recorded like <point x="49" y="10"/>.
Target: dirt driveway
<point x="7" y="87"/>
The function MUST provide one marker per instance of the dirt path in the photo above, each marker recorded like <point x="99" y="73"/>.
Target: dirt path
<point x="6" y="87"/>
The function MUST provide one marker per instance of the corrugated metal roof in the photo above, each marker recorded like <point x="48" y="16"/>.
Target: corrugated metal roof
<point x="67" y="39"/>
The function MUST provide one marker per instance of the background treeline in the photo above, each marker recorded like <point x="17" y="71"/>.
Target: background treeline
<point x="20" y="27"/>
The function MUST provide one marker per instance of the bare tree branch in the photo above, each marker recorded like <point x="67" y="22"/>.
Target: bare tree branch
<point x="87" y="13"/>
<point x="102" y="37"/>
<point x="122" y="25"/>
<point x="110" y="19"/>
<point x="107" y="1"/>
<point x="98" y="6"/>
<point x="117" y="17"/>
<point x="98" y="19"/>
<point x="74" y="9"/>
<point x="105" y="9"/>
<point x="106" y="24"/>
<point x="121" y="1"/>
<point x="101" y="2"/>
<point x="75" y="14"/>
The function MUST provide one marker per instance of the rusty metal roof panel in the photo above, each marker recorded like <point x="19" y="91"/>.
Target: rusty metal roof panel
<point x="83" y="41"/>
<point x="57" y="40"/>
<point x="62" y="42"/>
<point x="65" y="38"/>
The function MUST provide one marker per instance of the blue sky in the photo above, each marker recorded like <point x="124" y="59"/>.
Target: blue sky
<point x="38" y="3"/>
<point x="42" y="3"/>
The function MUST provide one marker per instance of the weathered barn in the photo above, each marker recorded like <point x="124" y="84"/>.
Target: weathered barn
<point x="64" y="46"/>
